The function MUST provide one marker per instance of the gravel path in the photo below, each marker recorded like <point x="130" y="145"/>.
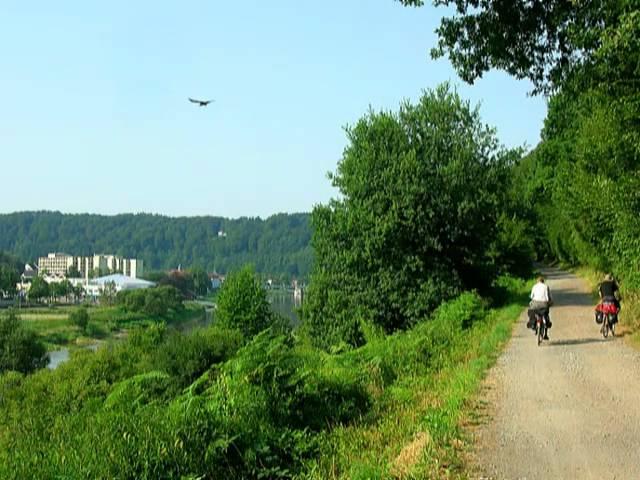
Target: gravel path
<point x="567" y="409"/>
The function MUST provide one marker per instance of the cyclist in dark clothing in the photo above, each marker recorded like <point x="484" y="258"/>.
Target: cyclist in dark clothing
<point x="609" y="291"/>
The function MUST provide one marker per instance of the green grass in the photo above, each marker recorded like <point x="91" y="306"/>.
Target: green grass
<point x="414" y="428"/>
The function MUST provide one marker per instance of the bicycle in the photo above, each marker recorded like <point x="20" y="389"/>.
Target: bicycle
<point x="541" y="326"/>
<point x="609" y="312"/>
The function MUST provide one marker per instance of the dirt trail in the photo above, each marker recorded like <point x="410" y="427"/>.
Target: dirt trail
<point x="568" y="409"/>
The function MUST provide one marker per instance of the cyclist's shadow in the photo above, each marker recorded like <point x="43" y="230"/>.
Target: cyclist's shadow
<point x="574" y="341"/>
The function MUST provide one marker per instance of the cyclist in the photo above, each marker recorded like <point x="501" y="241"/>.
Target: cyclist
<point x="609" y="290"/>
<point x="610" y="293"/>
<point x="540" y="301"/>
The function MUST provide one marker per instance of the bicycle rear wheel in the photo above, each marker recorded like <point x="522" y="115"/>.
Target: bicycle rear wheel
<point x="540" y="332"/>
<point x="605" y="326"/>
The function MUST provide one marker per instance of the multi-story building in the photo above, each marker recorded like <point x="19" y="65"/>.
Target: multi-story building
<point x="58" y="264"/>
<point x="55" y="264"/>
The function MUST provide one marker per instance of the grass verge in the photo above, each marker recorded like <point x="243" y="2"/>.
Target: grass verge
<point x="413" y="430"/>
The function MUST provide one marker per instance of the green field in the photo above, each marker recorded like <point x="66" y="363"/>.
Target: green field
<point x="54" y="327"/>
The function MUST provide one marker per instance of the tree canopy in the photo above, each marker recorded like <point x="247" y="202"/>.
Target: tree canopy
<point x="542" y="40"/>
<point x="422" y="194"/>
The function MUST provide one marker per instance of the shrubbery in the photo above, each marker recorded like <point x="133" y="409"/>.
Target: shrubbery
<point x="164" y="405"/>
<point x="156" y="301"/>
<point x="80" y="318"/>
<point x="20" y="350"/>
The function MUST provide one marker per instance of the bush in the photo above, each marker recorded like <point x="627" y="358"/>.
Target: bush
<point x="80" y="318"/>
<point x="186" y="357"/>
<point x="156" y="301"/>
<point x="20" y="350"/>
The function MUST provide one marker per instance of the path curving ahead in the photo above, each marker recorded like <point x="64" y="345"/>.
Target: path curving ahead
<point x="569" y="409"/>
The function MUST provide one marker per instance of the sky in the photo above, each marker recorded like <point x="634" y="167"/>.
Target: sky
<point x="94" y="115"/>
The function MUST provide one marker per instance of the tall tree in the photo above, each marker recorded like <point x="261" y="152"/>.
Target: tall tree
<point x="421" y="194"/>
<point x="39" y="289"/>
<point x="242" y="303"/>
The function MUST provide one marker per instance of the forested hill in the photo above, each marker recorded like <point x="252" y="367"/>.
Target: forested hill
<point x="278" y="245"/>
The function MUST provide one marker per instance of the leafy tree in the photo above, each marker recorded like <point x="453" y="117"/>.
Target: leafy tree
<point x="78" y="292"/>
<point x="9" y="274"/>
<point x="20" y="349"/>
<point x="200" y="280"/>
<point x="159" y="300"/>
<point x="80" y="318"/>
<point x="242" y="303"/>
<point x="60" y="289"/>
<point x="180" y="280"/>
<point x="542" y="40"/>
<point x="156" y="301"/>
<point x="108" y="293"/>
<point x="421" y="194"/>
<point x="9" y="277"/>
<point x="39" y="289"/>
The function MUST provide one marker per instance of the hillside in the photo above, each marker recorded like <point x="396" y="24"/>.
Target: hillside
<point x="278" y="245"/>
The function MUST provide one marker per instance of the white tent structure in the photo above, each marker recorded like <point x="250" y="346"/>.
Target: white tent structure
<point x="121" y="282"/>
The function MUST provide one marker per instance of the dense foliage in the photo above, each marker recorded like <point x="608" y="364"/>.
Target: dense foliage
<point x="542" y="40"/>
<point x="10" y="269"/>
<point x="278" y="246"/>
<point x="242" y="304"/>
<point x="579" y="189"/>
<point x="421" y="218"/>
<point x="156" y="302"/>
<point x="165" y="405"/>
<point x="582" y="182"/>
<point x="20" y="350"/>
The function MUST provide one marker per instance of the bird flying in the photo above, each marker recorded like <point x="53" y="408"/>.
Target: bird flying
<point x="201" y="103"/>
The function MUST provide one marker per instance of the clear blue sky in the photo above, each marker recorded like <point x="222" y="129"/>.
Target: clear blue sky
<point x="95" y="118"/>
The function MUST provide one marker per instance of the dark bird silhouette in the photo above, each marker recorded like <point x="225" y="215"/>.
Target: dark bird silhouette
<point x="201" y="103"/>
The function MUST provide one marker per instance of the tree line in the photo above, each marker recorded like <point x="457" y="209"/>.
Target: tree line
<point x="278" y="245"/>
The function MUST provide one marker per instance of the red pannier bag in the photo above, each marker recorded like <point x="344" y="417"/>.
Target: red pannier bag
<point x="607" y="307"/>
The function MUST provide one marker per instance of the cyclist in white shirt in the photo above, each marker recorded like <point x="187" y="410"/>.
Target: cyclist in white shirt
<point x="540" y="300"/>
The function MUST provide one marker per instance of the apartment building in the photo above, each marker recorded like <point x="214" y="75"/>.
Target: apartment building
<point x="58" y="264"/>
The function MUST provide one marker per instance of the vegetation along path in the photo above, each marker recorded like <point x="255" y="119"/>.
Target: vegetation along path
<point x="567" y="409"/>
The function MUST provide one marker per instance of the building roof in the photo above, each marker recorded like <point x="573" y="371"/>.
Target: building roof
<point x="122" y="281"/>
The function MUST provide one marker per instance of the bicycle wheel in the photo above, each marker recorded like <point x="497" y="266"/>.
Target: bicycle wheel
<point x="540" y="332"/>
<point x="605" y="326"/>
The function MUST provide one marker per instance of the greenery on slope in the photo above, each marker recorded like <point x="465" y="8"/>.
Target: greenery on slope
<point x="215" y="404"/>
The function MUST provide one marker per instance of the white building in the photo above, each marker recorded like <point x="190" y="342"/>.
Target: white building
<point x="58" y="264"/>
<point x="94" y="287"/>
